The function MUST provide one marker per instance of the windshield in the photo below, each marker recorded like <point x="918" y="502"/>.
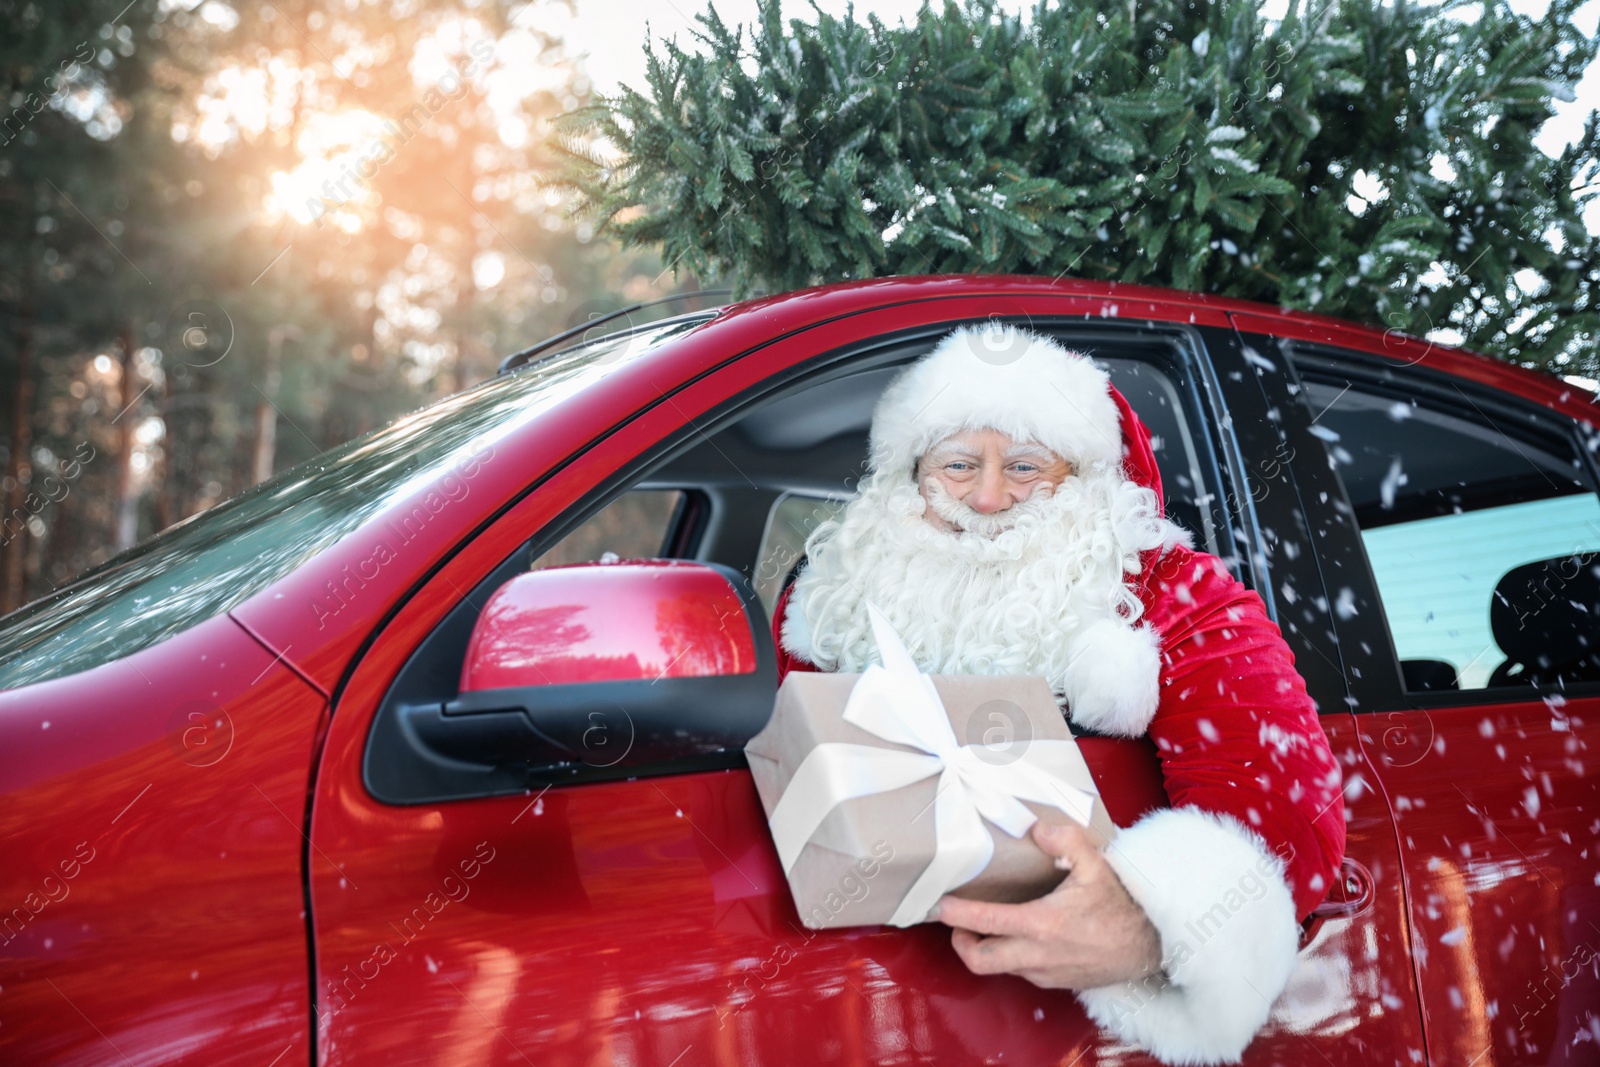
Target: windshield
<point x="208" y="564"/>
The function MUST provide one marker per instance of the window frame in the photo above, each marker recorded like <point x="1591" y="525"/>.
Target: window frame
<point x="680" y="535"/>
<point x="1385" y="690"/>
<point x="438" y="655"/>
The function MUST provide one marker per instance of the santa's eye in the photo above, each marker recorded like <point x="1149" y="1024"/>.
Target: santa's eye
<point x="1024" y="468"/>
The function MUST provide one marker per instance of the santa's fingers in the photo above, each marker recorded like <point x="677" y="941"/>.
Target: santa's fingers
<point x="998" y="955"/>
<point x="1070" y="844"/>
<point x="986" y="918"/>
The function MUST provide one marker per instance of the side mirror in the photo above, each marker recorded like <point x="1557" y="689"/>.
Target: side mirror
<point x="600" y="670"/>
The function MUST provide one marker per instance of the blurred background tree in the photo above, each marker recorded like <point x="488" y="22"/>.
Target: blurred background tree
<point x="1374" y="161"/>
<point x="233" y="234"/>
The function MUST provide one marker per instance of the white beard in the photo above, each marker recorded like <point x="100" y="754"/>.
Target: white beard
<point x="1024" y="599"/>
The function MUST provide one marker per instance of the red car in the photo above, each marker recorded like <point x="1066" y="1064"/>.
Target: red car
<point x="290" y="783"/>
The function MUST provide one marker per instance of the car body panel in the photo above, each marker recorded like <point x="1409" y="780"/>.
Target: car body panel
<point x="1498" y="816"/>
<point x="153" y="832"/>
<point x="1496" y="807"/>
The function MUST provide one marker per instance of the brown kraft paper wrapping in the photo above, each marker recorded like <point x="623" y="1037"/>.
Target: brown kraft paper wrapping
<point x="869" y="850"/>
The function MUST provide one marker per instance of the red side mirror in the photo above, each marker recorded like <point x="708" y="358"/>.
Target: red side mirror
<point x="610" y="622"/>
<point x="599" y="670"/>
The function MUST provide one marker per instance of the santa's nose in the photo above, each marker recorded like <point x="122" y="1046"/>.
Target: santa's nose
<point x="989" y="496"/>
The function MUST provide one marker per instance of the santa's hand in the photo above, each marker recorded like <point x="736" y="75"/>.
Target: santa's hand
<point x="1086" y="933"/>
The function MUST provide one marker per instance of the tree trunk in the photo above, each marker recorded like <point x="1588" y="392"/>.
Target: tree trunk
<point x="266" y="444"/>
<point x="19" y="468"/>
<point x="163" y="486"/>
<point x="127" y="516"/>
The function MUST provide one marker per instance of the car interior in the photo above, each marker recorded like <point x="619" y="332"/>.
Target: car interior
<point x="743" y="493"/>
<point x="767" y="480"/>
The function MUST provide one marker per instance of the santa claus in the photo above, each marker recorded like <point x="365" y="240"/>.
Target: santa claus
<point x="1011" y="523"/>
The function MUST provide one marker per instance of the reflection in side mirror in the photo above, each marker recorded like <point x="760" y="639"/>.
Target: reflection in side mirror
<point x="595" y="670"/>
<point x="610" y="622"/>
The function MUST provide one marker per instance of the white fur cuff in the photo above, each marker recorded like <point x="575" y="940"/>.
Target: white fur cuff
<point x="1229" y="939"/>
<point x="1113" y="684"/>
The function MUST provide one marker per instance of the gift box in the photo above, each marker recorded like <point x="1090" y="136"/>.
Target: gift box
<point x="888" y="789"/>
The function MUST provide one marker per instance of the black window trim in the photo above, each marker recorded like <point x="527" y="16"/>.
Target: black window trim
<point x="1261" y="388"/>
<point x="687" y="525"/>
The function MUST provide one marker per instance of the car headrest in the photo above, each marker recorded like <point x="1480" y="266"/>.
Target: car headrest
<point x="1548" y="612"/>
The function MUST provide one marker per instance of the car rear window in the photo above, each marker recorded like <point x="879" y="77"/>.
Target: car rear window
<point x="1453" y="506"/>
<point x="208" y="564"/>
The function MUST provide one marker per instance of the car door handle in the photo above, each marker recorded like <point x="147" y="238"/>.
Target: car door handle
<point x="490" y="736"/>
<point x="1351" y="896"/>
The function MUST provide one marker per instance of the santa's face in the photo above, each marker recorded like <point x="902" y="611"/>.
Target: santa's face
<point x="973" y="480"/>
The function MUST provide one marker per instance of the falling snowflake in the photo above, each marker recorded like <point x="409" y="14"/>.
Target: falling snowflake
<point x="1392" y="481"/>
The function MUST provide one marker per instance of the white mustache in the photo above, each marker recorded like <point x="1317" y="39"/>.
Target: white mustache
<point x="968" y="520"/>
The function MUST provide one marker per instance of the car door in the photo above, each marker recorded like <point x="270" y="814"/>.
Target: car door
<point x="1353" y="997"/>
<point x="1460" y="527"/>
<point x="645" y="919"/>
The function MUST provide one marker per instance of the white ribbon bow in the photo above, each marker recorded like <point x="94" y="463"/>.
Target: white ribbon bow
<point x="899" y="703"/>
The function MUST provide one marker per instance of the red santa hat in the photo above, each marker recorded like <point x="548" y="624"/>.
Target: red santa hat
<point x="998" y="377"/>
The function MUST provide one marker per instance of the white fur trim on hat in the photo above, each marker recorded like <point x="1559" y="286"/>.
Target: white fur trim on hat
<point x="1229" y="940"/>
<point x="998" y="377"/>
<point x="1114" y="680"/>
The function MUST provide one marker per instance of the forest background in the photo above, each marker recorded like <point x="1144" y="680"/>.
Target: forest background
<point x="235" y="233"/>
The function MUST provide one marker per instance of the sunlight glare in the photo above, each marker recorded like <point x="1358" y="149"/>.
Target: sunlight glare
<point x="488" y="269"/>
<point x="340" y="153"/>
<point x="243" y="102"/>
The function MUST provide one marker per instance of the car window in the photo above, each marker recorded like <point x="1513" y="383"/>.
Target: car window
<point x="634" y="526"/>
<point x="218" y="559"/>
<point x="1478" y="530"/>
<point x="1151" y="391"/>
<point x="828" y="424"/>
<point x="783" y="543"/>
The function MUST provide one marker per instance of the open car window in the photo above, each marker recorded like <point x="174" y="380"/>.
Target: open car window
<point x="787" y="466"/>
<point x="744" y="491"/>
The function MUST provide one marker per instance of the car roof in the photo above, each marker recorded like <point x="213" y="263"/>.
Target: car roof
<point x="799" y="308"/>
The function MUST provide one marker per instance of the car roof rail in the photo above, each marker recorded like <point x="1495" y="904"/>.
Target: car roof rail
<point x="522" y="358"/>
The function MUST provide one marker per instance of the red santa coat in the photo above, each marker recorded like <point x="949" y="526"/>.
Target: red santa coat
<point x="1254" y="835"/>
<point x="1235" y="731"/>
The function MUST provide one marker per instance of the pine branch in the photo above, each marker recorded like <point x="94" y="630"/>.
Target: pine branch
<point x="1365" y="160"/>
